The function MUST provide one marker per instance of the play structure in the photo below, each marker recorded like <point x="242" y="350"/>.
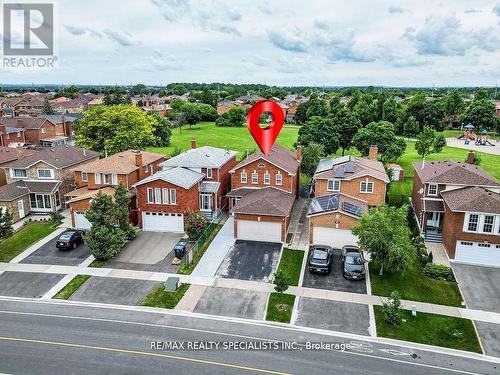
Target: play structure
<point x="483" y="141"/>
<point x="470" y="135"/>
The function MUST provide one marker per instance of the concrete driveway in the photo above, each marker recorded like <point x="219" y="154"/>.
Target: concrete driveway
<point x="481" y="289"/>
<point x="335" y="280"/>
<point x="251" y="260"/>
<point x="28" y="285"/>
<point x="149" y="251"/>
<point x="113" y="291"/>
<point x="232" y="302"/>
<point x="333" y="316"/>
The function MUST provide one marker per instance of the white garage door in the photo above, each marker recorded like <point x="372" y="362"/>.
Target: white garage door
<point x="162" y="222"/>
<point x="478" y="253"/>
<point x="333" y="237"/>
<point x="259" y="230"/>
<point x="81" y="221"/>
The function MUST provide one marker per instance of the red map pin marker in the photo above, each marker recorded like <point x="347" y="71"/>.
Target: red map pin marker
<point x="265" y="137"/>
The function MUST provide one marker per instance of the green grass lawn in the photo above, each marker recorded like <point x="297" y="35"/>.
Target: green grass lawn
<point x="431" y="329"/>
<point x="187" y="269"/>
<point x="160" y="298"/>
<point x="98" y="263"/>
<point x="72" y="287"/>
<point x="291" y="264"/>
<point x="399" y="192"/>
<point x="24" y="238"/>
<point x="279" y="308"/>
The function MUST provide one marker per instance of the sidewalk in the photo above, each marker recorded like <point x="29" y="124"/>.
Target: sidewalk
<point x="476" y="315"/>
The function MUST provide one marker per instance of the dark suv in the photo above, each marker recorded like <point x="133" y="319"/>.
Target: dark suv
<point x="320" y="259"/>
<point x="353" y="263"/>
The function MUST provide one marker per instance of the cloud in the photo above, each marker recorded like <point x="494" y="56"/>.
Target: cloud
<point x="75" y="30"/>
<point x="124" y="39"/>
<point x="496" y="9"/>
<point x="472" y="11"/>
<point x="290" y="39"/>
<point x="393" y="9"/>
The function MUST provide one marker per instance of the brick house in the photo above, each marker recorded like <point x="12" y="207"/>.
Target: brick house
<point x="40" y="131"/>
<point x="8" y="154"/>
<point x="195" y="180"/>
<point x="10" y="136"/>
<point x="459" y="204"/>
<point x="36" y="182"/>
<point x="344" y="188"/>
<point x="263" y="191"/>
<point x="103" y="175"/>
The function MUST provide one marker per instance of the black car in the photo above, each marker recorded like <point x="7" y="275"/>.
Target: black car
<point x="353" y="263"/>
<point x="69" y="240"/>
<point x="320" y="259"/>
<point x="180" y="248"/>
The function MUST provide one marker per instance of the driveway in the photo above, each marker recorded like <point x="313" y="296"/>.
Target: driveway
<point x="149" y="251"/>
<point x="233" y="302"/>
<point x="335" y="280"/>
<point x="481" y="289"/>
<point x="333" y="316"/>
<point x="113" y="291"/>
<point x="251" y="260"/>
<point x="28" y="285"/>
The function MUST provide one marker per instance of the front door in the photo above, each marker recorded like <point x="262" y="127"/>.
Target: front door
<point x="434" y="220"/>
<point x="20" y="208"/>
<point x="206" y="202"/>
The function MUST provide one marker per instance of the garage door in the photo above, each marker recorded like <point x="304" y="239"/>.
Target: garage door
<point x="162" y="222"/>
<point x="81" y="221"/>
<point x="259" y="230"/>
<point x="333" y="237"/>
<point x="478" y="253"/>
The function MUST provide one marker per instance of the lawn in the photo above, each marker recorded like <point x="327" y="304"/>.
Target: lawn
<point x="72" y="287"/>
<point x="399" y="192"/>
<point x="187" y="269"/>
<point x="291" y="264"/>
<point x="430" y="329"/>
<point x="279" y="307"/>
<point x="98" y="263"/>
<point x="25" y="237"/>
<point x="160" y="298"/>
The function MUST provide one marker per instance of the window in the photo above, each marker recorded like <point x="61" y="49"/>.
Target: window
<point x="432" y="189"/>
<point x="97" y="177"/>
<point x="19" y="173"/>
<point x="255" y="177"/>
<point x="164" y="192"/>
<point x="114" y="179"/>
<point x="489" y="220"/>
<point x="279" y="178"/>
<point x="267" y="178"/>
<point x="333" y="185"/>
<point x="40" y="201"/>
<point x="466" y="243"/>
<point x="44" y="130"/>
<point x="85" y="176"/>
<point x="173" y="196"/>
<point x="145" y="169"/>
<point x="150" y="196"/>
<point x="58" y="200"/>
<point x="18" y="134"/>
<point x="366" y="187"/>
<point x="483" y="245"/>
<point x="473" y="220"/>
<point x="209" y="172"/>
<point x="243" y="177"/>
<point x="157" y="195"/>
<point x="44" y="173"/>
<point x="106" y="179"/>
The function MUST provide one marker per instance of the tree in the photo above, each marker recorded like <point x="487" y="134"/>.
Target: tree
<point x="236" y="116"/>
<point x="347" y="126"/>
<point x="115" y="95"/>
<point x="481" y="113"/>
<point x="366" y="109"/>
<point x="390" y="110"/>
<point x="47" y="108"/>
<point x="311" y="155"/>
<point x="191" y="113"/>
<point x="139" y="89"/>
<point x="162" y="132"/>
<point x="280" y="282"/>
<point x="425" y="112"/>
<point x="382" y="135"/>
<point x="383" y="232"/>
<point x="116" y="128"/>
<point x="406" y="124"/>
<point x="196" y="225"/>
<point x="392" y="309"/>
<point x="6" y="229"/>
<point x="453" y="105"/>
<point x="322" y="131"/>
<point x="121" y="211"/>
<point x="102" y="210"/>
<point x="429" y="142"/>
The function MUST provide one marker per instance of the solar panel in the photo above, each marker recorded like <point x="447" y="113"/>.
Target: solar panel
<point x="339" y="172"/>
<point x="325" y="203"/>
<point x="349" y="168"/>
<point x="352" y="209"/>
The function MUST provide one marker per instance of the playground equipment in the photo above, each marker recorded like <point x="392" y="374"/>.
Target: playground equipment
<point x="483" y="141"/>
<point x="469" y="133"/>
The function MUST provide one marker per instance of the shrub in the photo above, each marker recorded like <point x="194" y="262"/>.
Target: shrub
<point x="6" y="228"/>
<point x="439" y="272"/>
<point x="196" y="224"/>
<point x="392" y="309"/>
<point x="56" y="216"/>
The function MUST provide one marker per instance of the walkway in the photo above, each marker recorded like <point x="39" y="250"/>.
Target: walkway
<point x="217" y="251"/>
<point x="459" y="143"/>
<point x="476" y="315"/>
<point x="299" y="224"/>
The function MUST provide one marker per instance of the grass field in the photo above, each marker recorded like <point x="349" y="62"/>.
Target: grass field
<point x="291" y="264"/>
<point x="160" y="298"/>
<point x="430" y="329"/>
<point x="279" y="308"/>
<point x="72" y="287"/>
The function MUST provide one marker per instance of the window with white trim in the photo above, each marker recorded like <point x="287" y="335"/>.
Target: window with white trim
<point x="432" y="189"/>
<point x="333" y="185"/>
<point x="151" y="198"/>
<point x="209" y="172"/>
<point x="267" y="178"/>
<point x="279" y="178"/>
<point x="44" y="174"/>
<point x="114" y="179"/>
<point x="85" y="176"/>
<point x="44" y="130"/>
<point x="164" y="193"/>
<point x="255" y="177"/>
<point x="243" y="177"/>
<point x="97" y="178"/>
<point x="157" y="195"/>
<point x="489" y="221"/>
<point x="366" y="187"/>
<point x="106" y="179"/>
<point x="473" y="223"/>
<point x="19" y="173"/>
<point x="173" y="196"/>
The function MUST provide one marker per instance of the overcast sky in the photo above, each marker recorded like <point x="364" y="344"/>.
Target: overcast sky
<point x="292" y="42"/>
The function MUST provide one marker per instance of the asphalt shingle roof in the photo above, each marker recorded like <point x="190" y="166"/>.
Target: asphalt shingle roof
<point x="280" y="156"/>
<point x="337" y="202"/>
<point x="472" y="199"/>
<point x="202" y="157"/>
<point x="60" y="157"/>
<point x="267" y="201"/>
<point x="179" y="176"/>
<point x="349" y="167"/>
<point x="453" y="172"/>
<point x="120" y="163"/>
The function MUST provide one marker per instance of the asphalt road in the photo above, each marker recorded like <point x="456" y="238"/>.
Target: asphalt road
<point x="47" y="338"/>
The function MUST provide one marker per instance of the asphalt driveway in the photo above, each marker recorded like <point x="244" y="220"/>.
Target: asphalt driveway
<point x="27" y="284"/>
<point x="481" y="289"/>
<point x="232" y="302"/>
<point x="335" y="280"/>
<point x="251" y="260"/>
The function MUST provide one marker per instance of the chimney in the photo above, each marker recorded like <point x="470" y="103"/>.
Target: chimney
<point x="299" y="152"/>
<point x="470" y="157"/>
<point x="373" y="153"/>
<point x="193" y="143"/>
<point x="138" y="158"/>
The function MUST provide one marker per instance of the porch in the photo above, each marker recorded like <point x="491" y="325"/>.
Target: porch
<point x="44" y="196"/>
<point x="432" y="222"/>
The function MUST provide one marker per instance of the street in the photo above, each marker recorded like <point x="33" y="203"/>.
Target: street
<point x="48" y="337"/>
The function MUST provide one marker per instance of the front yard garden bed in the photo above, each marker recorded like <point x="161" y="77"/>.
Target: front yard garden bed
<point x="279" y="307"/>
<point x="291" y="265"/>
<point x="161" y="298"/>
<point x="72" y="287"/>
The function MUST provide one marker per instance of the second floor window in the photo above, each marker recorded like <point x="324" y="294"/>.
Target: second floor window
<point x="279" y="179"/>
<point x="267" y="178"/>
<point x="432" y="189"/>
<point x="255" y="177"/>
<point x="489" y="220"/>
<point x="44" y="130"/>
<point x="19" y="173"/>
<point x="85" y="176"/>
<point x="44" y="173"/>
<point x="333" y="185"/>
<point x="243" y="177"/>
<point x="209" y="172"/>
<point x="366" y="187"/>
<point x="473" y="221"/>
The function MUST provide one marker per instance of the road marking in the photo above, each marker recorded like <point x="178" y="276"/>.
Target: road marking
<point x="137" y="352"/>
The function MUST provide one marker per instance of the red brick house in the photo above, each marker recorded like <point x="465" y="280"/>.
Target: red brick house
<point x="264" y="189"/>
<point x="195" y="180"/>
<point x="459" y="204"/>
<point x="11" y="136"/>
<point x="103" y="175"/>
<point x="40" y="131"/>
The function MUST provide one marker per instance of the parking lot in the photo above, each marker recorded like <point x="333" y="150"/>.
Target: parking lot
<point x="251" y="260"/>
<point x="335" y="280"/>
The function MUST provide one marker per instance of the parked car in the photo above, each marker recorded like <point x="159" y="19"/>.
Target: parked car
<point x="69" y="240"/>
<point x="180" y="248"/>
<point x="320" y="259"/>
<point x="353" y="263"/>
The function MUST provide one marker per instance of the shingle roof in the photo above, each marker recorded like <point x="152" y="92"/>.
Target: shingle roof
<point x="337" y="202"/>
<point x="18" y="189"/>
<point x="453" y="172"/>
<point x="202" y="157"/>
<point x="209" y="187"/>
<point x="41" y="186"/>
<point x="58" y="118"/>
<point x="179" y="176"/>
<point x="279" y="156"/>
<point x="24" y="122"/>
<point x="59" y="157"/>
<point x="240" y="192"/>
<point x="432" y="205"/>
<point x="86" y="193"/>
<point x="267" y="201"/>
<point x="472" y="199"/>
<point x="9" y="154"/>
<point x="120" y="163"/>
<point x="349" y="167"/>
